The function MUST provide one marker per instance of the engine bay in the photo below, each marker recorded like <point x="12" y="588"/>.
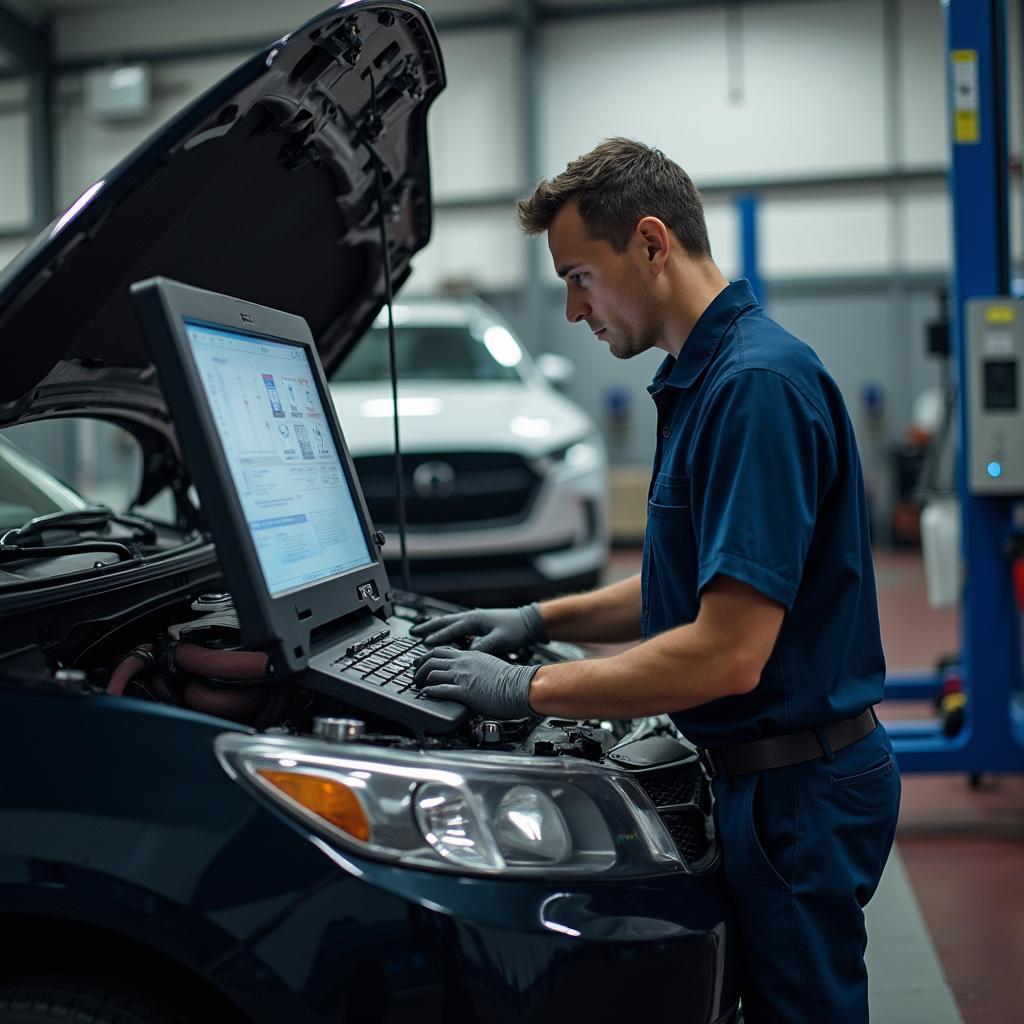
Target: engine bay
<point x="185" y="650"/>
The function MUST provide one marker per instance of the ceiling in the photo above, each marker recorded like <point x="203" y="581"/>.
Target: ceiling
<point x="38" y="9"/>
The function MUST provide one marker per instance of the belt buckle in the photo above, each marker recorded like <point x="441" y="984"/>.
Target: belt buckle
<point x="708" y="762"/>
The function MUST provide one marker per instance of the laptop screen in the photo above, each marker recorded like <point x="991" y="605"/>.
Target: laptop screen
<point x="294" y="494"/>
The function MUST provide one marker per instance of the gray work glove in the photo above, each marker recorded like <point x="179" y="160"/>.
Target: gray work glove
<point x="485" y="683"/>
<point x="497" y="630"/>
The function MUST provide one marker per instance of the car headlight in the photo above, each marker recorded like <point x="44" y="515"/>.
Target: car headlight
<point x="578" y="455"/>
<point x="458" y="812"/>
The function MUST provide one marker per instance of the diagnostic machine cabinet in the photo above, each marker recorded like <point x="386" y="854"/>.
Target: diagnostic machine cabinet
<point x="995" y="373"/>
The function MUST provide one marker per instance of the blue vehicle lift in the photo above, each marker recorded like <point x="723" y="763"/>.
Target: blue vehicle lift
<point x="992" y="736"/>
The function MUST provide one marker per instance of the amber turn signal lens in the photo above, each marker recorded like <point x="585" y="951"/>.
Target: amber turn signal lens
<point x="331" y="800"/>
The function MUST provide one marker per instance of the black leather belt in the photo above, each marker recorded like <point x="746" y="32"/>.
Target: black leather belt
<point x="790" y="748"/>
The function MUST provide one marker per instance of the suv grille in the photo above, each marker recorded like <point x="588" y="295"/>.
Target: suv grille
<point x="449" y="489"/>
<point x="676" y="792"/>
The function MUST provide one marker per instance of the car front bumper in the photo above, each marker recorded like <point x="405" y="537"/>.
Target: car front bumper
<point x="560" y="546"/>
<point x="394" y="945"/>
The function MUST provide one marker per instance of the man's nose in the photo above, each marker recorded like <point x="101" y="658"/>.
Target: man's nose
<point x="576" y="309"/>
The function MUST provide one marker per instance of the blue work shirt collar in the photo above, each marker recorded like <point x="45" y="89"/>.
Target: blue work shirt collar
<point x="703" y="340"/>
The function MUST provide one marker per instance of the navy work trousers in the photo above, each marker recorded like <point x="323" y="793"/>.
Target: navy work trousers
<point x="804" y="849"/>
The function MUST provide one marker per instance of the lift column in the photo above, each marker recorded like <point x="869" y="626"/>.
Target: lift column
<point x="990" y="622"/>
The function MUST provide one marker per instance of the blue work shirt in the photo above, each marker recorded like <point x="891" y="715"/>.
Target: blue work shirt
<point x="757" y="477"/>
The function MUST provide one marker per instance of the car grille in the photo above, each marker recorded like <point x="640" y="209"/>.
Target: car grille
<point x="676" y="792"/>
<point x="460" y="488"/>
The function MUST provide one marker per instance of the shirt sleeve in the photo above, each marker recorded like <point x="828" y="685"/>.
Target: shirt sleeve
<point x="762" y="461"/>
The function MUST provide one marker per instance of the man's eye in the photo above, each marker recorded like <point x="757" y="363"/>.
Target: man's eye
<point x="576" y="278"/>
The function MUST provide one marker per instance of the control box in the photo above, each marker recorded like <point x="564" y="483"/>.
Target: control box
<point x="995" y="410"/>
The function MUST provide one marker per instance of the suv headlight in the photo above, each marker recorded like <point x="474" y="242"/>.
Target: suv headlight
<point x="465" y="813"/>
<point x="579" y="455"/>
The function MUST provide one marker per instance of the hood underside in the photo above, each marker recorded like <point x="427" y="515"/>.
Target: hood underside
<point x="263" y="188"/>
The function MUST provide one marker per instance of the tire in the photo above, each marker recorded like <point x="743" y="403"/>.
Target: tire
<point x="80" y="1000"/>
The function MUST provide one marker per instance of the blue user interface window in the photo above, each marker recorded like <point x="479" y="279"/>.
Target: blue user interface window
<point x="287" y="472"/>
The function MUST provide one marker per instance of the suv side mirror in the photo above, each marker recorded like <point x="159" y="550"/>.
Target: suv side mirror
<point x="556" y="370"/>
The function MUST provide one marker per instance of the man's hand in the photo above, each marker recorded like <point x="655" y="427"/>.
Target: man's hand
<point x="481" y="681"/>
<point x="497" y="630"/>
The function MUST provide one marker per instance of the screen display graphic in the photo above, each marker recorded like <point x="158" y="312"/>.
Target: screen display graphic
<point x="288" y="474"/>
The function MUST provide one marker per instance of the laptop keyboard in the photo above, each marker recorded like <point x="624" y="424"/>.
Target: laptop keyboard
<point x="387" y="662"/>
<point x="376" y="674"/>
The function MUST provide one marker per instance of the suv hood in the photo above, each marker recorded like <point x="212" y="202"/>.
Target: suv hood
<point x="262" y="188"/>
<point x="522" y="416"/>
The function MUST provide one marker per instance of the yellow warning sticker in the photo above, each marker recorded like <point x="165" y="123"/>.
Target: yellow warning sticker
<point x="966" y="120"/>
<point x="1000" y="314"/>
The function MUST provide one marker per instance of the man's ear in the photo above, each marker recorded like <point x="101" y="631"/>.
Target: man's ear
<point x="652" y="236"/>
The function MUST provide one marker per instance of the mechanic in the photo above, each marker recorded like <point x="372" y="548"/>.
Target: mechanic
<point x="756" y="602"/>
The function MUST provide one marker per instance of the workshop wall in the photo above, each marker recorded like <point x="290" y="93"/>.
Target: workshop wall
<point x="476" y="131"/>
<point x="727" y="94"/>
<point x="702" y="83"/>
<point x="832" y="110"/>
<point x="15" y="197"/>
<point x="87" y="147"/>
<point x="865" y="332"/>
<point x="102" y="29"/>
<point x="750" y="93"/>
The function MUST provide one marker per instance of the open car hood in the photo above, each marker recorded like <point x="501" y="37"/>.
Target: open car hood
<point x="263" y="188"/>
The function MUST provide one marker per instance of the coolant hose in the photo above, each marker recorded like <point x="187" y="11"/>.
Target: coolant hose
<point x="211" y="664"/>
<point x="127" y="669"/>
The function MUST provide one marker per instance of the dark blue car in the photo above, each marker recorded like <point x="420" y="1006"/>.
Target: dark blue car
<point x="183" y="839"/>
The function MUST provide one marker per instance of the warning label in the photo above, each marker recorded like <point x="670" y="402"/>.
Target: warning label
<point x="966" y="122"/>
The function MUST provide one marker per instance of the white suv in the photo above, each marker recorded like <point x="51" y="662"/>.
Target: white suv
<point x="505" y="479"/>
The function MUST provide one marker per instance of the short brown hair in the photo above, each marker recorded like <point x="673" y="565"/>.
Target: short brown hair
<point x="616" y="184"/>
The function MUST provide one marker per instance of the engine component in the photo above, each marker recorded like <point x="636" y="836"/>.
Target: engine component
<point x="202" y="664"/>
<point x="558" y="737"/>
<point x="491" y="733"/>
<point x="338" y="730"/>
<point x="141" y="657"/>
<point x="216" y="602"/>
<point x="217" y="628"/>
<point x="672" y="777"/>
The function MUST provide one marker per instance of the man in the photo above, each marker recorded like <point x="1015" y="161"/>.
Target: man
<point x="756" y="602"/>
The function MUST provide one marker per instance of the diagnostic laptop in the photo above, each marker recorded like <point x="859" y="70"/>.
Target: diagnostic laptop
<point x="266" y="453"/>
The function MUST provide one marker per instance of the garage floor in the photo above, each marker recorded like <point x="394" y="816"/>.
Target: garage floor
<point x="946" y="928"/>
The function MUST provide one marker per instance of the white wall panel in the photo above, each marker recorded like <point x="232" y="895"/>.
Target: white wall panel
<point x="13" y="90"/>
<point x="926" y="230"/>
<point x="924" y="125"/>
<point x="818" y="235"/>
<point x="15" y="194"/>
<point x="86" y="148"/>
<point x="814" y="90"/>
<point x="658" y="78"/>
<point x="457" y="8"/>
<point x="102" y="31"/>
<point x="15" y="190"/>
<point x="811" y="101"/>
<point x="724" y="235"/>
<point x="810" y="75"/>
<point x="476" y="123"/>
<point x="109" y="28"/>
<point x="9" y="248"/>
<point x="1015" y="76"/>
<point x="482" y="249"/>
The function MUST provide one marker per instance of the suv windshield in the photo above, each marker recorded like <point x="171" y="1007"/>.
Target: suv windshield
<point x="435" y="352"/>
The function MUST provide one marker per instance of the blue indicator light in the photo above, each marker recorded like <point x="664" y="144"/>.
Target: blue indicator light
<point x="995" y="469"/>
